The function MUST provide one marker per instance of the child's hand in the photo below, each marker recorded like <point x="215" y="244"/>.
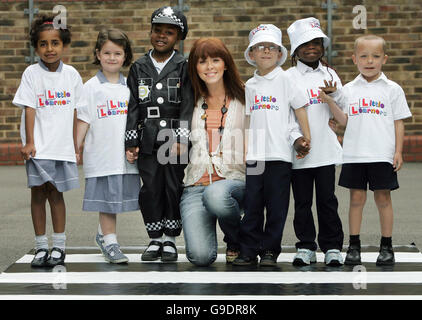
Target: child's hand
<point x="302" y="147"/>
<point x="332" y="124"/>
<point x="329" y="87"/>
<point x="78" y="158"/>
<point x="178" y="149"/>
<point x="132" y="154"/>
<point x="397" y="161"/>
<point x="325" y="91"/>
<point x="28" y="151"/>
<point x="325" y="97"/>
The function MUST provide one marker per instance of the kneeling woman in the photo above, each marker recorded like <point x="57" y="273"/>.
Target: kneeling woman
<point x="215" y="176"/>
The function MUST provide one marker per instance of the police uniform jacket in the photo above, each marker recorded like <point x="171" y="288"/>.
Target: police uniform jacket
<point x="158" y="101"/>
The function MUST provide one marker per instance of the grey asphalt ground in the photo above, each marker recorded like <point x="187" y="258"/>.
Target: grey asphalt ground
<point x="17" y="235"/>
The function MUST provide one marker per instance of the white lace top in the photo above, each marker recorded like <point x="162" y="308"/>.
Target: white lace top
<point x="228" y="159"/>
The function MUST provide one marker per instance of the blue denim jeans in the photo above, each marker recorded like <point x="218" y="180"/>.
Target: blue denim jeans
<point x="200" y="208"/>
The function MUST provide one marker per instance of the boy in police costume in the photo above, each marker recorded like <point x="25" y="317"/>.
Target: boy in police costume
<point x="159" y="112"/>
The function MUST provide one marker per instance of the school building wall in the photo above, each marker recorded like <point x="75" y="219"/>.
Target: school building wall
<point x="398" y="21"/>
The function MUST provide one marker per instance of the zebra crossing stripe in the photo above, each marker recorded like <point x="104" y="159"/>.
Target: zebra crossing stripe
<point x="267" y="277"/>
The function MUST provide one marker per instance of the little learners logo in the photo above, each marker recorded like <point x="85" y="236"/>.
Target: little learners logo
<point x="367" y="106"/>
<point x="112" y="108"/>
<point x="54" y="98"/>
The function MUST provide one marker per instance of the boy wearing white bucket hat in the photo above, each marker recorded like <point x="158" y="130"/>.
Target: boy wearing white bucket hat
<point x="270" y="99"/>
<point x="308" y="42"/>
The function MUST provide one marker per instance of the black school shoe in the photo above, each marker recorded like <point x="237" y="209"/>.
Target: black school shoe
<point x="52" y="262"/>
<point x="152" y="255"/>
<point x="169" y="256"/>
<point x="268" y="259"/>
<point x="245" y="261"/>
<point x="386" y="256"/>
<point x="40" y="262"/>
<point x="353" y="256"/>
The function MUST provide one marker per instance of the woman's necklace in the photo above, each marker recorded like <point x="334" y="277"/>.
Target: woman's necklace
<point x="223" y="112"/>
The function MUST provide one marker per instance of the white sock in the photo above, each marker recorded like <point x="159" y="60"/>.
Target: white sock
<point x="110" y="239"/>
<point x="100" y="231"/>
<point x="59" y="241"/>
<point x="168" y="248"/>
<point x="154" y="247"/>
<point x="41" y="242"/>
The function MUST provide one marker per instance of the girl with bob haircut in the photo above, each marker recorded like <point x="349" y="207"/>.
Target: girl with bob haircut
<point x="112" y="184"/>
<point x="215" y="176"/>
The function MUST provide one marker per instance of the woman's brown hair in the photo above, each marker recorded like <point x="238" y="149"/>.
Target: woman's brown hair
<point x="214" y="47"/>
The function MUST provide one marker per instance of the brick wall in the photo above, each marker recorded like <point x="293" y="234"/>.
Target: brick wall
<point x="398" y="21"/>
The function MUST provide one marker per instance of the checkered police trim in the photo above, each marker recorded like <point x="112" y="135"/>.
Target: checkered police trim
<point x="182" y="132"/>
<point x="163" y="224"/>
<point x="173" y="224"/>
<point x="169" y="13"/>
<point x="131" y="135"/>
<point x="154" y="226"/>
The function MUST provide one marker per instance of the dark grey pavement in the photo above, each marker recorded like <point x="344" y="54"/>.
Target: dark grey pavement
<point x="17" y="235"/>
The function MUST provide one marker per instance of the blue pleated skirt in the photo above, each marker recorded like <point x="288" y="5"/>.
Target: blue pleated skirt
<point x="62" y="174"/>
<point x="112" y="194"/>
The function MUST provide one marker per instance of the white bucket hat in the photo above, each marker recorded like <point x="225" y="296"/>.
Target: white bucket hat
<point x="305" y="30"/>
<point x="265" y="33"/>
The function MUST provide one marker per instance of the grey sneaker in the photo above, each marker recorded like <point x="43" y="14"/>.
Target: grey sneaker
<point x="333" y="258"/>
<point x="113" y="254"/>
<point x="99" y="241"/>
<point x="304" y="257"/>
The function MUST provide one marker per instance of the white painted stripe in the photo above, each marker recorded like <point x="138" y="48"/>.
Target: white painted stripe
<point x="211" y="277"/>
<point x="199" y="297"/>
<point x="284" y="257"/>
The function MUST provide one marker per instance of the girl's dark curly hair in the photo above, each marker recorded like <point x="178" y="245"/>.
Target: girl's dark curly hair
<point x="45" y="22"/>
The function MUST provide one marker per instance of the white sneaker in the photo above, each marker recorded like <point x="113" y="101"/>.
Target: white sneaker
<point x="333" y="258"/>
<point x="304" y="257"/>
<point x="113" y="254"/>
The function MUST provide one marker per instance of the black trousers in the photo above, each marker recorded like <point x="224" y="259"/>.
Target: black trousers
<point x="330" y="235"/>
<point x="271" y="191"/>
<point x="162" y="187"/>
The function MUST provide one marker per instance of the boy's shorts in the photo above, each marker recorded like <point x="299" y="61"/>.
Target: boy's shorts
<point x="379" y="175"/>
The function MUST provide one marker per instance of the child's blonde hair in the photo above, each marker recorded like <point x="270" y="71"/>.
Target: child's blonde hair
<point x="371" y="37"/>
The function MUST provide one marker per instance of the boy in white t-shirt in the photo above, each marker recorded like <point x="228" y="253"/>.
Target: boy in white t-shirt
<point x="372" y="149"/>
<point x="270" y="98"/>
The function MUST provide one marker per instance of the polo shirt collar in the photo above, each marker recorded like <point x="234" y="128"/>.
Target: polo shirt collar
<point x="44" y="67"/>
<point x="102" y="78"/>
<point x="303" y="68"/>
<point x="270" y="75"/>
<point x="382" y="77"/>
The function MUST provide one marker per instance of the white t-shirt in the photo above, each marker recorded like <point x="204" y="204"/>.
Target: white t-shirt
<point x="372" y="108"/>
<point x="159" y="66"/>
<point x="325" y="148"/>
<point x="269" y="100"/>
<point x="106" y="113"/>
<point x="54" y="95"/>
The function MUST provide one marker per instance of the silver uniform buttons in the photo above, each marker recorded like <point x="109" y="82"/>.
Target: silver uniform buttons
<point x="159" y="86"/>
<point x="160" y="100"/>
